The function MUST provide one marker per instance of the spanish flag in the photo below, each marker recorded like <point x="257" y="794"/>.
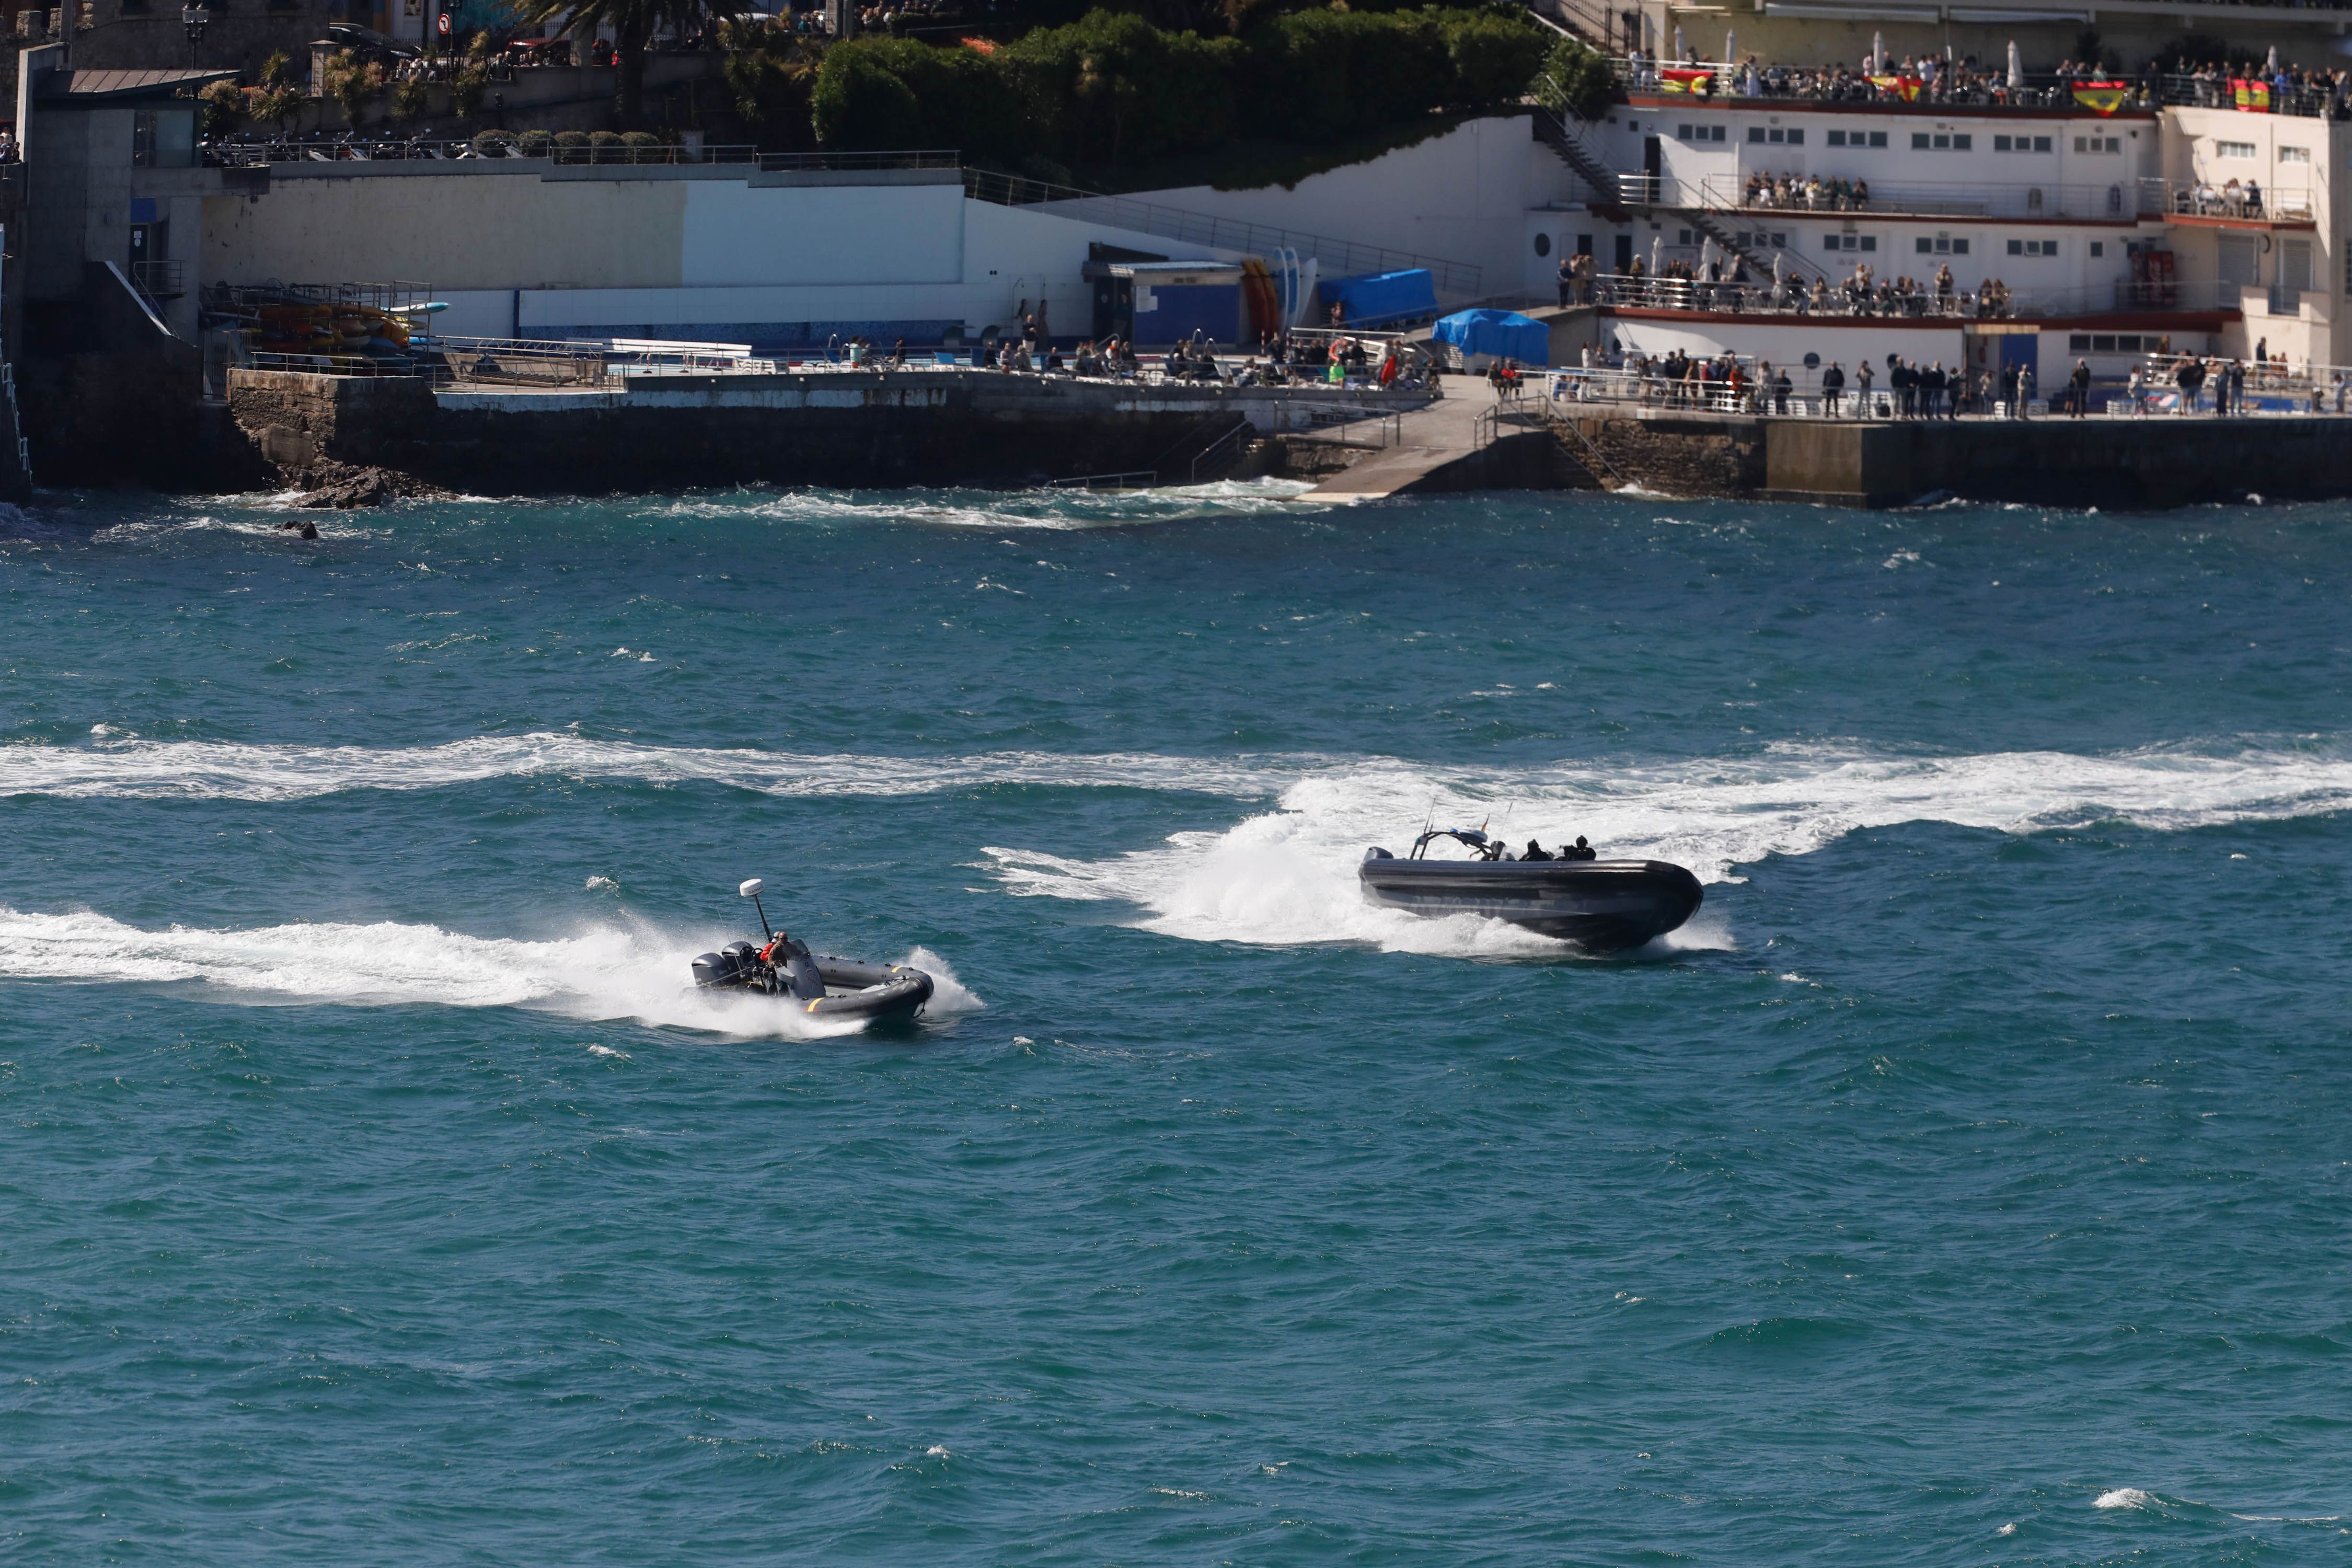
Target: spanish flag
<point x="2101" y="96"/>
<point x="2251" y="93"/>
<point x="1697" y="82"/>
<point x="1904" y="87"/>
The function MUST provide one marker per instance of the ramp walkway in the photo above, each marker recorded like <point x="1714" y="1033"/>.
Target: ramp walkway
<point x="1430" y="439"/>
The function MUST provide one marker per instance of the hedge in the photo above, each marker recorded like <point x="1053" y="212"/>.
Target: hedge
<point x="1112" y="88"/>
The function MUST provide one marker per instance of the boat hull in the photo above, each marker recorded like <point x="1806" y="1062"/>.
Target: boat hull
<point x="857" y="990"/>
<point x="1602" y="905"/>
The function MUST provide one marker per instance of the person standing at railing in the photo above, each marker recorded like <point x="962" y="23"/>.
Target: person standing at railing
<point x="1832" y="389"/>
<point x="2078" y="389"/>
<point x="1863" y="376"/>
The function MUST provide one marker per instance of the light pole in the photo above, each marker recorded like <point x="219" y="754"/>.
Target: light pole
<point x="194" y="18"/>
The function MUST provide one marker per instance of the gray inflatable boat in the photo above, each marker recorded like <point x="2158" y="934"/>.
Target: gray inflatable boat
<point x="824" y="986"/>
<point x="1602" y="905"/>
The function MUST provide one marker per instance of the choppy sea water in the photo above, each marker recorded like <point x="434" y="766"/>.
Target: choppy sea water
<point x="1968" y="1185"/>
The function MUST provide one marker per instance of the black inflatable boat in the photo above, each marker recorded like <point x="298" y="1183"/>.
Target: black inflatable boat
<point x="1603" y="906"/>
<point x="825" y="987"/>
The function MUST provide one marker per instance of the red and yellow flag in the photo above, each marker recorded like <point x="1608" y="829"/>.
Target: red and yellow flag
<point x="1695" y="81"/>
<point x="1907" y="88"/>
<point x="2101" y="96"/>
<point x="2252" y="94"/>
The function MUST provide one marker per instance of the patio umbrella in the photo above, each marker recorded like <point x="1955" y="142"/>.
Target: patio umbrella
<point x="1705" y="252"/>
<point x="1731" y="46"/>
<point x="1679" y="51"/>
<point x="1658" y="254"/>
<point x="2016" y="66"/>
<point x="2271" y="68"/>
<point x="1877" y="53"/>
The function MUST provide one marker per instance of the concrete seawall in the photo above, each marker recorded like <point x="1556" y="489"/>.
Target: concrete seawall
<point x="914" y="427"/>
<point x="876" y="429"/>
<point x="2157" y="461"/>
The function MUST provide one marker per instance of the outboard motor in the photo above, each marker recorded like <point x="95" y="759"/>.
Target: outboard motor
<point x="724" y="967"/>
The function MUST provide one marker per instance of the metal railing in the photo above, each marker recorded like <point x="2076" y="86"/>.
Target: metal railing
<point x="159" y="279"/>
<point x="1726" y="82"/>
<point x="2202" y="198"/>
<point x="268" y="151"/>
<point x="1736" y="195"/>
<point x="1763" y="299"/>
<point x="1336" y="257"/>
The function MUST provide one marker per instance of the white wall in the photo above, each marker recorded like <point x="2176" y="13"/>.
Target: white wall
<point x="734" y="234"/>
<point x="1460" y="196"/>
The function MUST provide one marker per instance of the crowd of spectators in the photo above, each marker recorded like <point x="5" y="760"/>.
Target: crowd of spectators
<point x="1711" y="286"/>
<point x="2268" y="88"/>
<point x="1808" y="193"/>
<point x="1926" y="78"/>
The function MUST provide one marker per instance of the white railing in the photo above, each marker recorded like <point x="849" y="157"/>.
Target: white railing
<point x="2120" y="198"/>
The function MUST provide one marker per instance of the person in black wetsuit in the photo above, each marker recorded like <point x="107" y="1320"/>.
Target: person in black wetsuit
<point x="1535" y="852"/>
<point x="1582" y="851"/>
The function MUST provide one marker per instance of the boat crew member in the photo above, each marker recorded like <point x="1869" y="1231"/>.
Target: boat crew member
<point x="1535" y="852"/>
<point x="1583" y="851"/>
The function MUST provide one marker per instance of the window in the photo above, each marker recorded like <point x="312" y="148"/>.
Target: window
<point x="2233" y="149"/>
<point x="2235" y="259"/>
<point x="2033" y="247"/>
<point x="1682" y="237"/>
<point x="1700" y="133"/>
<point x="2021" y="144"/>
<point x="1760" y="241"/>
<point x="2098" y="143"/>
<point x="2106" y="342"/>
<point x="1941" y="245"/>
<point x="1865" y="243"/>
<point x="1543" y="244"/>
<point x="1776" y="136"/>
<point x="1945" y="142"/>
<point x="1857" y="138"/>
<point x="2294" y="154"/>
<point x="2098" y="249"/>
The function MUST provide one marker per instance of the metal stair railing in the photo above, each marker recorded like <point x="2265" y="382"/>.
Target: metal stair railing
<point x="1555" y="132"/>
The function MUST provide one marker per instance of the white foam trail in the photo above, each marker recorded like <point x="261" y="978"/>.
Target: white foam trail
<point x="1289" y="876"/>
<point x="605" y="972"/>
<point x="2124" y="1497"/>
<point x="207" y="770"/>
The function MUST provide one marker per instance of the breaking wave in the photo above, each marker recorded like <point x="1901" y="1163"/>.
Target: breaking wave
<point x="605" y="972"/>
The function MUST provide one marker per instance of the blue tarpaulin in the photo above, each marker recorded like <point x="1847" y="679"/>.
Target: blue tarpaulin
<point x="1379" y="297"/>
<point x="1506" y="334"/>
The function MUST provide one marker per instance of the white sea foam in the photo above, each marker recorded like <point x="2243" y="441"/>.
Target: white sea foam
<point x="204" y="770"/>
<point x="605" y="972"/>
<point x="2124" y="1497"/>
<point x="1289" y="876"/>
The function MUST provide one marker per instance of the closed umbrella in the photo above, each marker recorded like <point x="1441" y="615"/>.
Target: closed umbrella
<point x="1658" y="254"/>
<point x="2016" y="66"/>
<point x="1679" y="51"/>
<point x="1731" y="47"/>
<point x="1877" y="54"/>
<point x="2272" y="69"/>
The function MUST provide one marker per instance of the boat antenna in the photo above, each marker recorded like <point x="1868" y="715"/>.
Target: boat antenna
<point x="750" y="889"/>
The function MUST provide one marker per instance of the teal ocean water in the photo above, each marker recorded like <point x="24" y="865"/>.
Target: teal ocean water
<point x="1968" y="1184"/>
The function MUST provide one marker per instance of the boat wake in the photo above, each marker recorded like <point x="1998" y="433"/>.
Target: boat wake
<point x="605" y="972"/>
<point x="1289" y="876"/>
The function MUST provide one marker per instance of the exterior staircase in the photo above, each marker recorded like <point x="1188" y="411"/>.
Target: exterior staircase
<point x="1614" y="191"/>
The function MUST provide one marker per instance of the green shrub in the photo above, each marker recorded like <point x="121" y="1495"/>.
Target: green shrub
<point x="1112" y="88"/>
<point x="643" y="147"/>
<point x="536" y="143"/>
<point x="1575" y="80"/>
<point x="493" y="143"/>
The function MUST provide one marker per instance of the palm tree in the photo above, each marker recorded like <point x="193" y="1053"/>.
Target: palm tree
<point x="632" y="25"/>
